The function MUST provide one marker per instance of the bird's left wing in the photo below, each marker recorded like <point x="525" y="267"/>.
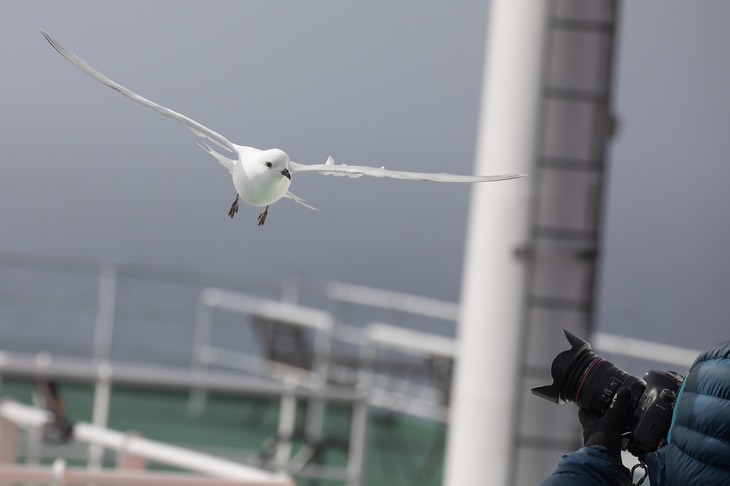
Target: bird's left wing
<point x="196" y="127"/>
<point x="330" y="168"/>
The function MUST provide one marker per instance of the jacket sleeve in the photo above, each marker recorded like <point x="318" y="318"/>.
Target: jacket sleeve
<point x="655" y="464"/>
<point x="589" y="466"/>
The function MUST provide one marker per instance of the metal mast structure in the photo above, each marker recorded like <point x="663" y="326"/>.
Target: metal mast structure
<point x="532" y="252"/>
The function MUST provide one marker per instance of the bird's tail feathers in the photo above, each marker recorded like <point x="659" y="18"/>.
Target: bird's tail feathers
<point x="299" y="200"/>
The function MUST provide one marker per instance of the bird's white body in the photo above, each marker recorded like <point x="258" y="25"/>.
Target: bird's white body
<point x="262" y="177"/>
<point x="255" y="182"/>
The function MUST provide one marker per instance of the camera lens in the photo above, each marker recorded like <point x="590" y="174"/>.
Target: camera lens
<point x="585" y="379"/>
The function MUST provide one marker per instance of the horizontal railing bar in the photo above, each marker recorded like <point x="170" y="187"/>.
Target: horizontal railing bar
<point x="646" y="350"/>
<point x="149" y="449"/>
<point x="396" y="301"/>
<point x="155" y="376"/>
<point x="117" y="477"/>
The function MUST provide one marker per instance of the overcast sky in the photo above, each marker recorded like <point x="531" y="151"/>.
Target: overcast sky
<point x="87" y="172"/>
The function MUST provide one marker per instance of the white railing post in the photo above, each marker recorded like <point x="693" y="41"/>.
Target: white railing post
<point x="358" y="438"/>
<point x="100" y="412"/>
<point x="322" y="348"/>
<point x="290" y="288"/>
<point x="9" y="441"/>
<point x="287" y="423"/>
<point x="201" y="351"/>
<point x="106" y="306"/>
<point x="58" y="472"/>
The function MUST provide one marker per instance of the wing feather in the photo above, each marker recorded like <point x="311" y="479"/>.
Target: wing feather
<point x="298" y="200"/>
<point x="223" y="160"/>
<point x="196" y="127"/>
<point x="330" y="168"/>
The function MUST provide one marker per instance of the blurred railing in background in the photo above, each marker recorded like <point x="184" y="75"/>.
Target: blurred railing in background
<point x="112" y="323"/>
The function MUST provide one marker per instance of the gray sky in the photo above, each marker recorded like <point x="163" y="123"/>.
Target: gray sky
<point x="85" y="171"/>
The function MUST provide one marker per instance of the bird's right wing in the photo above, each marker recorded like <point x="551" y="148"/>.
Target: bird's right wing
<point x="330" y="168"/>
<point x="196" y="127"/>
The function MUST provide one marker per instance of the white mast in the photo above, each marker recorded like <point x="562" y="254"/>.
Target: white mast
<point x="483" y="409"/>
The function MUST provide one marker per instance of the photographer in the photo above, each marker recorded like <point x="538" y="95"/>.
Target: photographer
<point x="698" y="443"/>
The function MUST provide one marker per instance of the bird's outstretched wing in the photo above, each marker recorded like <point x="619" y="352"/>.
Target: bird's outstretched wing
<point x="196" y="127"/>
<point x="330" y="168"/>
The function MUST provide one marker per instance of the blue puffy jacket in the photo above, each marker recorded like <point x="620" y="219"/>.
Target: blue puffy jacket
<point x="698" y="450"/>
<point x="699" y="438"/>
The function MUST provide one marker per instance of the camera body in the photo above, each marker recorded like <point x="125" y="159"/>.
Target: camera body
<point x="653" y="413"/>
<point x="589" y="381"/>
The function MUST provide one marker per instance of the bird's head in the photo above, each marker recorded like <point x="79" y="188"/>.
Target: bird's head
<point x="273" y="163"/>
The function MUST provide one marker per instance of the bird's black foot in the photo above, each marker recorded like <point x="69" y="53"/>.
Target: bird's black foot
<point x="234" y="207"/>
<point x="262" y="216"/>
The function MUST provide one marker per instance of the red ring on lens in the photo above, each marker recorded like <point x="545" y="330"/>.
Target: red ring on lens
<point x="588" y="371"/>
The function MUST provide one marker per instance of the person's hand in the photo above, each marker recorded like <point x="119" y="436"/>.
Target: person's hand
<point x="607" y="430"/>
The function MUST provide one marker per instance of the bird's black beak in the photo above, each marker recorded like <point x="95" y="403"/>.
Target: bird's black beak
<point x="286" y="173"/>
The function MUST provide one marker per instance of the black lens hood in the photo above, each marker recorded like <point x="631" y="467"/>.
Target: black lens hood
<point x="559" y="369"/>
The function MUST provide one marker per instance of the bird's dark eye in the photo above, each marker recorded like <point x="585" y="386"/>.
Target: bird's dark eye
<point x="268" y="164"/>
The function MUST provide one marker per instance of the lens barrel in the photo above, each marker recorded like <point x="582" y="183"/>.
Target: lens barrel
<point x="585" y="379"/>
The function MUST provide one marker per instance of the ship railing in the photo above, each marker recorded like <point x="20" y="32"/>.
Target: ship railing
<point x="386" y="390"/>
<point x="133" y="451"/>
<point x="104" y="376"/>
<point x="627" y="349"/>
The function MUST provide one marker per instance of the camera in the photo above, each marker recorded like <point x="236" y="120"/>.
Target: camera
<point x="589" y="381"/>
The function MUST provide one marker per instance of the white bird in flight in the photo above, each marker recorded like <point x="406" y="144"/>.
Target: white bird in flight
<point x="262" y="177"/>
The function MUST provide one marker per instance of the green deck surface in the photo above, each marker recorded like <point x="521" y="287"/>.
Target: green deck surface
<point x="401" y="450"/>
